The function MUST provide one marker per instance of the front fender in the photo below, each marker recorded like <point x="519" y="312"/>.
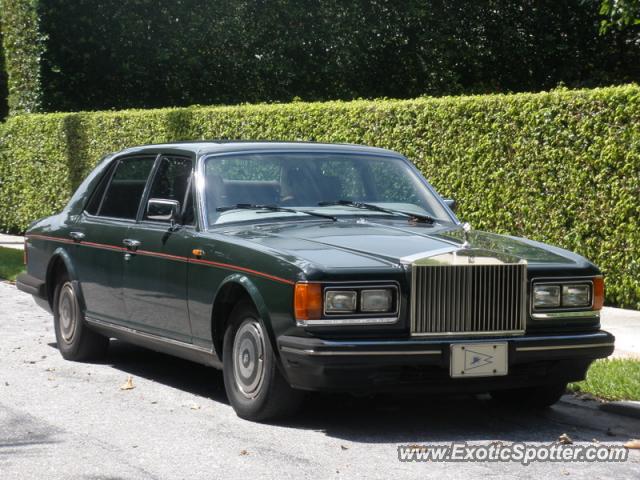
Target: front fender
<point x="258" y="300"/>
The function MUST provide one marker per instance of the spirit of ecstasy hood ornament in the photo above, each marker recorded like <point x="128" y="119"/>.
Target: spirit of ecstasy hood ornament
<point x="466" y="228"/>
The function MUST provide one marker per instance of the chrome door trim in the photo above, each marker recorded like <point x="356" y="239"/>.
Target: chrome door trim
<point x="149" y="336"/>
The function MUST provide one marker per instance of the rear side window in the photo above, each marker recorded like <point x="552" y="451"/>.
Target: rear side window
<point x="173" y="182"/>
<point x="125" y="189"/>
<point x="96" y="197"/>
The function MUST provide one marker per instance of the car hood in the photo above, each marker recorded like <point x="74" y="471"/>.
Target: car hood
<point x="364" y="243"/>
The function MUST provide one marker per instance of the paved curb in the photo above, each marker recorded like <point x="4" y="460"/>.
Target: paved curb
<point x="11" y="241"/>
<point x="627" y="408"/>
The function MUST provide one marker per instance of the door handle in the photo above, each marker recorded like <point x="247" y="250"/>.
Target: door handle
<point x="77" y="236"/>
<point x="131" y="244"/>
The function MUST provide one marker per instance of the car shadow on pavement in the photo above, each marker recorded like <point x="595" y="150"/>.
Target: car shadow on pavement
<point x="389" y="418"/>
<point x="165" y="369"/>
<point x="424" y="418"/>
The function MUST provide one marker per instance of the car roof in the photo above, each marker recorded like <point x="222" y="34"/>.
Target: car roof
<point x="203" y="147"/>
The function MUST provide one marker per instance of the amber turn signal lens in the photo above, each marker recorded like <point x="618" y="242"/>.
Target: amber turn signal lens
<point x="598" y="293"/>
<point x="308" y="301"/>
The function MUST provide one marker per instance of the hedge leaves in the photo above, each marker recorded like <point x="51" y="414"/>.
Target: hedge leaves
<point x="561" y="167"/>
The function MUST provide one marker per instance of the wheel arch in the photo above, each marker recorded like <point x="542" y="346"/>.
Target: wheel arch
<point x="61" y="261"/>
<point x="233" y="289"/>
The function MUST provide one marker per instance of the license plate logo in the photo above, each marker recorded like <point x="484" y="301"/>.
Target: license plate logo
<point x="479" y="359"/>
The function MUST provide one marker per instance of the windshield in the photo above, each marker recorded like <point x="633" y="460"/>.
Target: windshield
<point x="313" y="182"/>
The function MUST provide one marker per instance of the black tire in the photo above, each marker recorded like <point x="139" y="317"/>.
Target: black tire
<point x="75" y="340"/>
<point x="255" y="387"/>
<point x="531" y="397"/>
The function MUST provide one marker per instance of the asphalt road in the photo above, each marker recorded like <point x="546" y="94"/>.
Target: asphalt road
<point x="64" y="420"/>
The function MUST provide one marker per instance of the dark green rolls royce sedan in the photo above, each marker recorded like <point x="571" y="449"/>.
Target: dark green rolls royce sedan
<point x="303" y="266"/>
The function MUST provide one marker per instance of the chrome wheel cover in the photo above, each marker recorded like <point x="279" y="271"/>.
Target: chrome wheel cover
<point x="248" y="358"/>
<point x="67" y="313"/>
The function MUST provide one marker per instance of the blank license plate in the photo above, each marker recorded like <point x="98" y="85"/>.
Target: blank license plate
<point x="479" y="360"/>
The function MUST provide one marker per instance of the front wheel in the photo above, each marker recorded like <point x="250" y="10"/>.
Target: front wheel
<point x="75" y="341"/>
<point x="531" y="397"/>
<point x="255" y="387"/>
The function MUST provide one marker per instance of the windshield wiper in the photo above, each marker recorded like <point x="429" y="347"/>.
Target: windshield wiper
<point x="272" y="208"/>
<point x="376" y="208"/>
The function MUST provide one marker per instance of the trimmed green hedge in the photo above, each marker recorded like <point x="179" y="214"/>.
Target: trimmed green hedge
<point x="23" y="49"/>
<point x="561" y="167"/>
<point x="109" y="54"/>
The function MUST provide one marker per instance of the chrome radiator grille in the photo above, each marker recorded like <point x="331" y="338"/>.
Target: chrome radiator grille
<point x="468" y="299"/>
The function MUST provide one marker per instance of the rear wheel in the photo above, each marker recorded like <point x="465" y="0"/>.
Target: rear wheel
<point x="255" y="387"/>
<point x="75" y="341"/>
<point x="531" y="397"/>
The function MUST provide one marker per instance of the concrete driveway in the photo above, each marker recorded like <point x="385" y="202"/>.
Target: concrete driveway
<point x="625" y="325"/>
<point x="64" y="420"/>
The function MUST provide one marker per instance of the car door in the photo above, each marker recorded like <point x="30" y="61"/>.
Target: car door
<point x="155" y="274"/>
<point x="99" y="254"/>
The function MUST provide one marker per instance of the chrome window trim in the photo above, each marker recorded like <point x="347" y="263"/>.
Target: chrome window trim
<point x="103" y="219"/>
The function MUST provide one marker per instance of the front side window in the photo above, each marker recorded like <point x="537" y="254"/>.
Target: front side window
<point x="173" y="182"/>
<point x="125" y="189"/>
<point x="312" y="182"/>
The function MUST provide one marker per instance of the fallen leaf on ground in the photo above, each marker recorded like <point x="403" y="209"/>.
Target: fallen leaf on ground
<point x="635" y="444"/>
<point x="565" y="439"/>
<point x="128" y="385"/>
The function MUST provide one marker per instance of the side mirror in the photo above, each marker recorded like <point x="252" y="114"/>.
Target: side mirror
<point x="162" y="210"/>
<point x="451" y="203"/>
